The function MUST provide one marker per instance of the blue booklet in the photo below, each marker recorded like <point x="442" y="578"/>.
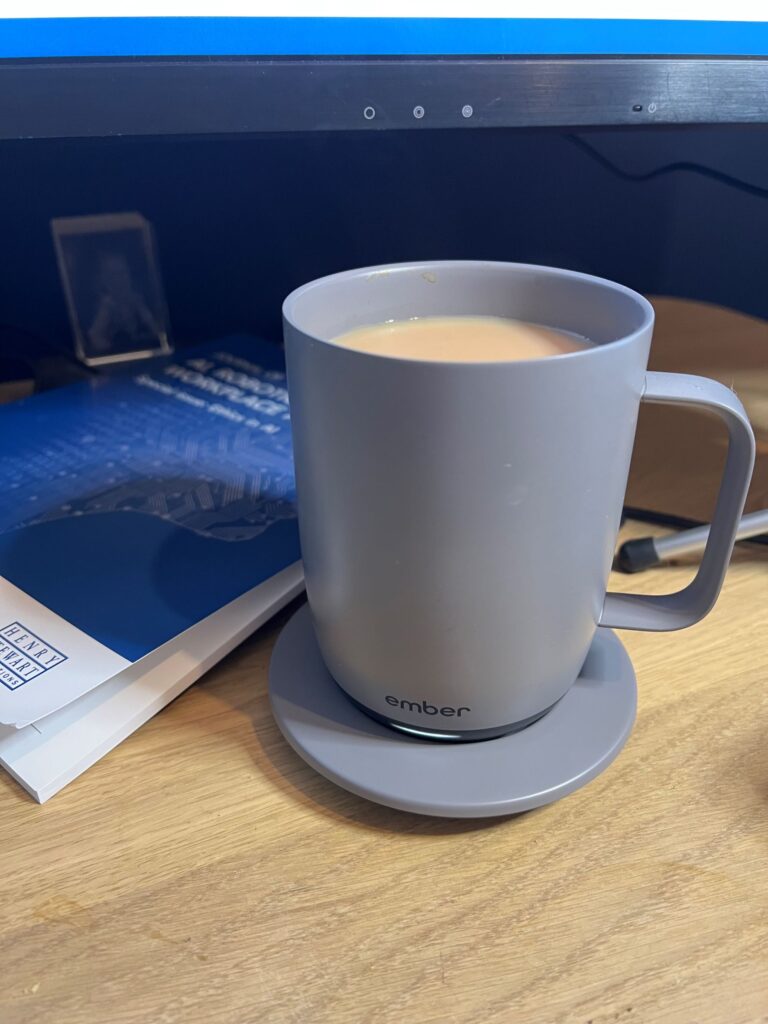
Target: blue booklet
<point x="134" y="507"/>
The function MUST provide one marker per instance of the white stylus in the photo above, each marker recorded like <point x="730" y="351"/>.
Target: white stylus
<point x="636" y="555"/>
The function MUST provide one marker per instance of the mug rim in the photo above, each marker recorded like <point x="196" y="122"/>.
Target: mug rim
<point x="426" y="266"/>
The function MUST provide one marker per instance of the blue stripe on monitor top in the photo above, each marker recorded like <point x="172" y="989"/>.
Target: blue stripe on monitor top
<point x="125" y="37"/>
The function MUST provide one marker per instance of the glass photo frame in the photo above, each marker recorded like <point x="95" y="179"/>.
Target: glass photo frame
<point x="111" y="280"/>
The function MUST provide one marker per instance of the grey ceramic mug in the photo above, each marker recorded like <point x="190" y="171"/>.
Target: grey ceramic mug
<point x="458" y="520"/>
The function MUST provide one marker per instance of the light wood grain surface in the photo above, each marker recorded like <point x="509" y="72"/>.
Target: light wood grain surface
<point x="202" y="873"/>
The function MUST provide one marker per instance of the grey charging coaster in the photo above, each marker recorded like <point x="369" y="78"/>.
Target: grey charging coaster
<point x="560" y="752"/>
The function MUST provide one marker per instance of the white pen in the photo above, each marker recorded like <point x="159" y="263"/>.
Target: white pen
<point x="645" y="552"/>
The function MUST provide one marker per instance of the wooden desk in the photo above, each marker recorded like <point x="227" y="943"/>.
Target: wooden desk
<point x="202" y="873"/>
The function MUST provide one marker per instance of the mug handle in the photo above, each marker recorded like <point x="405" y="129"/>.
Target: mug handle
<point x="683" y="608"/>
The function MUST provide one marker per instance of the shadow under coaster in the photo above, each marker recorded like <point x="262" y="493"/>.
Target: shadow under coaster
<point x="560" y="752"/>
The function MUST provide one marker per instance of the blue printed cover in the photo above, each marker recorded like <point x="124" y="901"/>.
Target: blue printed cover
<point x="135" y="506"/>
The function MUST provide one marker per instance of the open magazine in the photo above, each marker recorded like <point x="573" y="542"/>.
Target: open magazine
<point x="147" y="525"/>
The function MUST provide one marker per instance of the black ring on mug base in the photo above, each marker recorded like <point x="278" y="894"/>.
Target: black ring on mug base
<point x="554" y="756"/>
<point x="445" y="735"/>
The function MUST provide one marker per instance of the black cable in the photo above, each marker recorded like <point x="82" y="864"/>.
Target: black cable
<point x="681" y="165"/>
<point x="661" y="518"/>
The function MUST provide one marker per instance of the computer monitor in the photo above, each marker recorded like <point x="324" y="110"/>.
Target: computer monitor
<point x="306" y="65"/>
<point x="243" y="216"/>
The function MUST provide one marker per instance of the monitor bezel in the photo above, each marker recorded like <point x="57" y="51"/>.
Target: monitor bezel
<point x="93" y="97"/>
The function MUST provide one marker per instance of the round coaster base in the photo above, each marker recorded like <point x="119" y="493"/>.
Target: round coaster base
<point x="555" y="755"/>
